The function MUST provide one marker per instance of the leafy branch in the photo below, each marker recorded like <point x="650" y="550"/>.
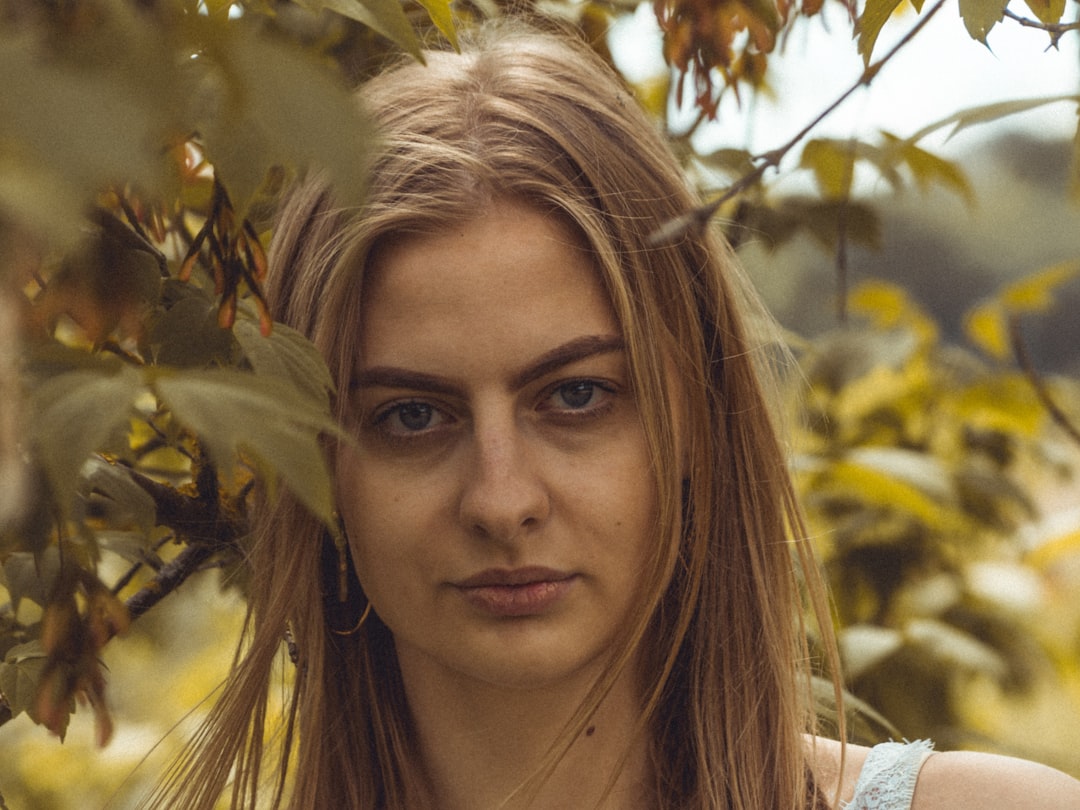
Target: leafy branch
<point x="697" y="219"/>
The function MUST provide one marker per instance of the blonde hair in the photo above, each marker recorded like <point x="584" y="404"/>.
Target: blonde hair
<point x="538" y="117"/>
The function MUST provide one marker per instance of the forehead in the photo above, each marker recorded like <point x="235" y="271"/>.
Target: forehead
<point x="511" y="277"/>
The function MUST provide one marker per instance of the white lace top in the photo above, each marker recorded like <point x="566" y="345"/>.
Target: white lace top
<point x="887" y="780"/>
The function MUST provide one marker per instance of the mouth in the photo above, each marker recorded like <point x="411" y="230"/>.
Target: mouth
<point x="518" y="592"/>
<point x="511" y="577"/>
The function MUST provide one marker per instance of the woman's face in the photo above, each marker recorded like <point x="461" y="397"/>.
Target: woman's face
<point x="499" y="501"/>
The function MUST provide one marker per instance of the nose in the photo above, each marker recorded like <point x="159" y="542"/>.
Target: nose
<point x="504" y="495"/>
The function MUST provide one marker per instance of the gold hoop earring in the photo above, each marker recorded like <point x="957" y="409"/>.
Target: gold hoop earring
<point x="359" y="624"/>
<point x="343" y="597"/>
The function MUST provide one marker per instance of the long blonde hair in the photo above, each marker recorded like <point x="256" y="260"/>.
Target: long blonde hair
<point x="538" y="117"/>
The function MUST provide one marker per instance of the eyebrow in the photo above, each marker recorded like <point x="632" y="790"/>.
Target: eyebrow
<point x="571" y="352"/>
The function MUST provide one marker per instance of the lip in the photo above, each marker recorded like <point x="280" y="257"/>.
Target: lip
<point x="516" y="592"/>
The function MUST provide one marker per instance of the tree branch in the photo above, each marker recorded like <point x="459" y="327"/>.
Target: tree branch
<point x="197" y="520"/>
<point x="696" y="219"/>
<point x="1055" y="30"/>
<point x="1019" y="349"/>
<point x="171" y="576"/>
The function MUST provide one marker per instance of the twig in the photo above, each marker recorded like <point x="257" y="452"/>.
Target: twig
<point x="1055" y="30"/>
<point x="699" y="217"/>
<point x="199" y="520"/>
<point x="170" y="577"/>
<point x="146" y="560"/>
<point x="1037" y="382"/>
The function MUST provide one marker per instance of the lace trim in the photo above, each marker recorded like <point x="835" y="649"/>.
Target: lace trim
<point x="888" y="777"/>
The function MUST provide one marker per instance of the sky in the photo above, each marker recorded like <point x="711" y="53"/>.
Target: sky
<point x="941" y="71"/>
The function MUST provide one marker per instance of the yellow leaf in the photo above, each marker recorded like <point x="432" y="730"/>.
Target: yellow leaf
<point x="1048" y="12"/>
<point x="653" y="93"/>
<point x="985" y="327"/>
<point x="888" y="306"/>
<point x="873" y="19"/>
<point x="439" y="12"/>
<point x="876" y="488"/>
<point x="981" y="15"/>
<point x="1053" y="551"/>
<point x="1002" y="403"/>
<point x="881" y="388"/>
<point x="885" y="304"/>
<point x="833" y="165"/>
<point x="928" y="168"/>
<point x="1035" y="293"/>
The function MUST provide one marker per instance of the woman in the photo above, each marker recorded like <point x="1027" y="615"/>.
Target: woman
<point x="563" y="493"/>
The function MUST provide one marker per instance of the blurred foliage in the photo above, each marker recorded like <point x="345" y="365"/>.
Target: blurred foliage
<point x="144" y="390"/>
<point x="927" y="471"/>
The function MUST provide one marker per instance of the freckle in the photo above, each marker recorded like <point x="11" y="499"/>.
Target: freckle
<point x="590" y="731"/>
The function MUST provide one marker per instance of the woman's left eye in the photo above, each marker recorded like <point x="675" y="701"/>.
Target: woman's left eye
<point x="578" y="395"/>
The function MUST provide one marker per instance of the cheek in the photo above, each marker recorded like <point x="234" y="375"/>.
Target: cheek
<point x="386" y="522"/>
<point x="365" y="527"/>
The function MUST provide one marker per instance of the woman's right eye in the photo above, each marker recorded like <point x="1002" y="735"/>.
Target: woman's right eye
<point x="404" y="419"/>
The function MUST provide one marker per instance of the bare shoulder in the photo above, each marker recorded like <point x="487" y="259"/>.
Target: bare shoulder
<point x="956" y="780"/>
<point x="953" y="780"/>
<point x="836" y="767"/>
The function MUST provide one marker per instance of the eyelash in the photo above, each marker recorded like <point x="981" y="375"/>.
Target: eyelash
<point x="383" y="415"/>
<point x="589" y="411"/>
<point x="605" y="389"/>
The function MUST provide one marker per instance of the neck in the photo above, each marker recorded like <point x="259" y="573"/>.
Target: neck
<point x="482" y="745"/>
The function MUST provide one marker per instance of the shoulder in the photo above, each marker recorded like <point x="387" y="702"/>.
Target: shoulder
<point x="836" y="767"/>
<point x="954" y="780"/>
<point x="962" y="779"/>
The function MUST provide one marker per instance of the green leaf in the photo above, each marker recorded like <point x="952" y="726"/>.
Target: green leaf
<point x="20" y="673"/>
<point x="387" y="17"/>
<point x="285" y="353"/>
<point x="264" y="418"/>
<point x="76" y="414"/>
<point x="75" y="118"/>
<point x="981" y="15"/>
<point x="873" y="19"/>
<point x="266" y="104"/>
<point x="187" y="334"/>
<point x="119" y="501"/>
<point x="31" y="577"/>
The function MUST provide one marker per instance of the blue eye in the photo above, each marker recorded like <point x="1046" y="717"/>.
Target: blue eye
<point x="576" y="395"/>
<point x="409" y="417"/>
